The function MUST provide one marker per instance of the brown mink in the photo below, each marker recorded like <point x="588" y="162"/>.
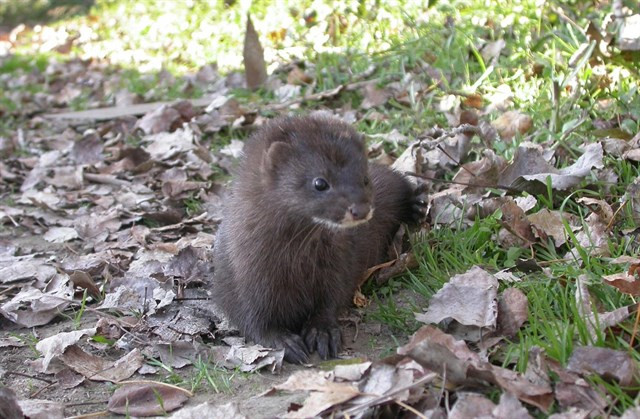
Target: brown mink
<point x="306" y="215"/>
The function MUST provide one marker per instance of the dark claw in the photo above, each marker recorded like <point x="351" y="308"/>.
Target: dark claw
<point x="322" y="344"/>
<point x="295" y="350"/>
<point x="335" y="342"/>
<point x="326" y="340"/>
<point x="310" y="338"/>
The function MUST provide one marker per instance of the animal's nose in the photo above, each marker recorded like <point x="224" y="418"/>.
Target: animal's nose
<point x="359" y="211"/>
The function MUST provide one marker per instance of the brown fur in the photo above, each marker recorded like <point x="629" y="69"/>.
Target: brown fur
<point x="280" y="276"/>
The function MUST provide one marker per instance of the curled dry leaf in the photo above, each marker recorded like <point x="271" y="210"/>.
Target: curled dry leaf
<point x="530" y="171"/>
<point x="374" y="96"/>
<point x="60" y="234"/>
<point x="82" y="280"/>
<point x="599" y="321"/>
<point x="147" y="398"/>
<point x="468" y="298"/>
<point x="165" y="145"/>
<point x="599" y="207"/>
<point x="177" y="354"/>
<point x="471" y="405"/>
<point x="516" y="222"/>
<point x="32" y="307"/>
<point x="98" y="369"/>
<point x="441" y="353"/>
<point x="551" y="223"/>
<point x="513" y="311"/>
<point x="325" y="393"/>
<point x="67" y="378"/>
<point x="158" y="120"/>
<point x="255" y="357"/>
<point x="625" y="281"/>
<point x="511" y="123"/>
<point x="18" y="268"/>
<point x="54" y="346"/>
<point x="528" y="159"/>
<point x="352" y="372"/>
<point x="297" y="76"/>
<point x="608" y="363"/>
<point x="482" y="173"/>
<point x="474" y="405"/>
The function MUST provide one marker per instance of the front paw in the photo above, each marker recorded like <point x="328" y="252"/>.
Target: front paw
<point x="295" y="350"/>
<point x="323" y="337"/>
<point x="419" y="205"/>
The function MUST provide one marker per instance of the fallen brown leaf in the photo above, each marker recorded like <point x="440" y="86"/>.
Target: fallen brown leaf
<point x="99" y="369"/>
<point x="255" y="69"/>
<point x="147" y="398"/>
<point x="608" y="363"/>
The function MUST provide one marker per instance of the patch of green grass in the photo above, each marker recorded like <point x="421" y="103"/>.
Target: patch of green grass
<point x="25" y="63"/>
<point x="193" y="206"/>
<point x="216" y="378"/>
<point x="169" y="375"/>
<point x="389" y="312"/>
<point x="31" y="340"/>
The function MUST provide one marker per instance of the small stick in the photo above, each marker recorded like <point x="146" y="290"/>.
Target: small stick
<point x="21" y="374"/>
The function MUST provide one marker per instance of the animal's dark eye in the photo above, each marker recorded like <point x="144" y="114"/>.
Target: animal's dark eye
<point x="367" y="181"/>
<point x="320" y="184"/>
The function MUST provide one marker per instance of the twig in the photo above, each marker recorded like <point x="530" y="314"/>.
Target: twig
<point x="106" y="179"/>
<point x="506" y="188"/>
<point x="567" y="19"/>
<point x="21" y="374"/>
<point x="410" y="409"/>
<point x="446" y="153"/>
<point x="90" y="415"/>
<point x="15" y="224"/>
<point x="355" y="409"/>
<point x="85" y="403"/>
<point x="35" y="394"/>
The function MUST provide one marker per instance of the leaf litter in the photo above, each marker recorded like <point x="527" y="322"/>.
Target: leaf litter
<point x="109" y="190"/>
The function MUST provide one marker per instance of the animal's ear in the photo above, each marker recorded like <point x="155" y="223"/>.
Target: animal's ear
<point x="276" y="155"/>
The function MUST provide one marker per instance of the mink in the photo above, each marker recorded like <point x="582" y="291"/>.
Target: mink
<point x="306" y="215"/>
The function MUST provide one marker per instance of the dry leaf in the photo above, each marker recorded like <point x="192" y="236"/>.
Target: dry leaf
<point x="147" y="398"/>
<point x="54" y="346"/>
<point x="511" y="123"/>
<point x="60" y="234"/>
<point x="551" y="223"/>
<point x="513" y="311"/>
<point x="296" y="76"/>
<point x="324" y="392"/>
<point x="352" y="372"/>
<point x="608" y="363"/>
<point x="41" y="409"/>
<point x="473" y="101"/>
<point x="32" y="307"/>
<point x="469" y="298"/>
<point x="99" y="369"/>
<point x="436" y="351"/>
<point x="624" y="281"/>
<point x="255" y="69"/>
<point x="255" y="357"/>
<point x="374" y="96"/>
